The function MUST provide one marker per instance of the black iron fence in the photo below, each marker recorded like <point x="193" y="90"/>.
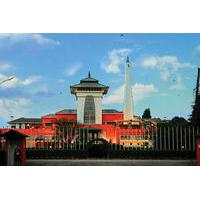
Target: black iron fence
<point x="83" y="142"/>
<point x="161" y="138"/>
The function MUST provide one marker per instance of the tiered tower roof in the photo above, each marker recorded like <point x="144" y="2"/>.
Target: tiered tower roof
<point x="88" y="84"/>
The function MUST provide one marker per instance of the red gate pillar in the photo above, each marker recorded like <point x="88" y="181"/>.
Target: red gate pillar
<point x="198" y="151"/>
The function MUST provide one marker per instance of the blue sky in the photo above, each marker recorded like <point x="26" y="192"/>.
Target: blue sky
<point x="45" y="65"/>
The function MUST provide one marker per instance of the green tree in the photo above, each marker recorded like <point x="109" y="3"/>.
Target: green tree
<point x="195" y="116"/>
<point x="146" y="114"/>
<point x="178" y="121"/>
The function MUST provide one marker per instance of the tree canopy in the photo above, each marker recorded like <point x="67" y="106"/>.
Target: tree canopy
<point x="178" y="121"/>
<point x="195" y="116"/>
<point x="146" y="114"/>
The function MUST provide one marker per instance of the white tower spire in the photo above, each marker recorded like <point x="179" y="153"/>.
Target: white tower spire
<point x="128" y="97"/>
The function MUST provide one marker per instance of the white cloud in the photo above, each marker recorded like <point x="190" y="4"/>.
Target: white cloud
<point x="178" y="84"/>
<point x="72" y="70"/>
<point x="165" y="64"/>
<point x="42" y="91"/>
<point x="62" y="81"/>
<point x="17" y="107"/>
<point x="30" y="80"/>
<point x="39" y="39"/>
<point x="198" y="48"/>
<point x="150" y="62"/>
<point x="140" y="91"/>
<point x="116" y="57"/>
<point x="164" y="74"/>
<point x="5" y="67"/>
<point x="116" y="97"/>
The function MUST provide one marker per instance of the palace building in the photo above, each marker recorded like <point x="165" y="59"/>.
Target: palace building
<point x="111" y="124"/>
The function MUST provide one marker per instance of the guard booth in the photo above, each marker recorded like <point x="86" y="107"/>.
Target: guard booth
<point x="15" y="148"/>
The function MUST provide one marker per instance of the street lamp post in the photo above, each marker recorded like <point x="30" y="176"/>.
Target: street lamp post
<point x="9" y="79"/>
<point x="6" y="80"/>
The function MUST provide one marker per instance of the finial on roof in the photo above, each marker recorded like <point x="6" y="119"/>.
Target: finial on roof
<point x="127" y="59"/>
<point x="89" y="75"/>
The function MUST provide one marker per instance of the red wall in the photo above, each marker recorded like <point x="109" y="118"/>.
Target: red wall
<point x="66" y="116"/>
<point x="106" y="117"/>
<point x="111" y="117"/>
<point x="47" y="120"/>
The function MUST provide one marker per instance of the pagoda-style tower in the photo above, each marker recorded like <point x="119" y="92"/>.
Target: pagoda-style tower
<point x="128" y="97"/>
<point x="89" y="93"/>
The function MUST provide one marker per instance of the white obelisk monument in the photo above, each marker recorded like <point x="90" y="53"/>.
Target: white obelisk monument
<point x="128" y="96"/>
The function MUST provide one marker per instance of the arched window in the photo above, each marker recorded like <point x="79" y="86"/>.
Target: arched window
<point x="89" y="110"/>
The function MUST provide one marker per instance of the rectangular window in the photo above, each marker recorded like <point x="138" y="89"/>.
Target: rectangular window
<point x="48" y="125"/>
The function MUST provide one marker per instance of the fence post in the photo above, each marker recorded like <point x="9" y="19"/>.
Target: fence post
<point x="181" y="132"/>
<point x="189" y="135"/>
<point x="83" y="130"/>
<point x="177" y="142"/>
<point x="63" y="137"/>
<point x="156" y="137"/>
<point x="164" y="135"/>
<point x="160" y="134"/>
<point x="168" y="135"/>
<point x="173" y="138"/>
<point x="185" y="138"/>
<point x="79" y="138"/>
<point x="193" y="139"/>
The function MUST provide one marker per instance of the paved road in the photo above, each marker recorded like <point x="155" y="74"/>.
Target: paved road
<point x="111" y="162"/>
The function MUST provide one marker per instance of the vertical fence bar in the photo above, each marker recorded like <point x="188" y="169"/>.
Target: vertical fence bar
<point x="83" y="136"/>
<point x="152" y="139"/>
<point x="51" y="142"/>
<point x="185" y="134"/>
<point x="189" y="138"/>
<point x="173" y="138"/>
<point x="73" y="141"/>
<point x="181" y="131"/>
<point x="63" y="137"/>
<point x="160" y="131"/>
<point x="87" y="135"/>
<point x="68" y="138"/>
<point x="177" y="141"/>
<point x="110" y="140"/>
<point x="125" y="138"/>
<point x="168" y="135"/>
<point x="156" y="137"/>
<point x="59" y="138"/>
<point x="46" y="141"/>
<point x="39" y="139"/>
<point x="164" y="135"/>
<point x="55" y="137"/>
<point x="140" y="138"/>
<point x="115" y="139"/>
<point x="79" y="138"/>
<point x="197" y="133"/>
<point x="147" y="139"/>
<point x="75" y="134"/>
<point x="193" y="139"/>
